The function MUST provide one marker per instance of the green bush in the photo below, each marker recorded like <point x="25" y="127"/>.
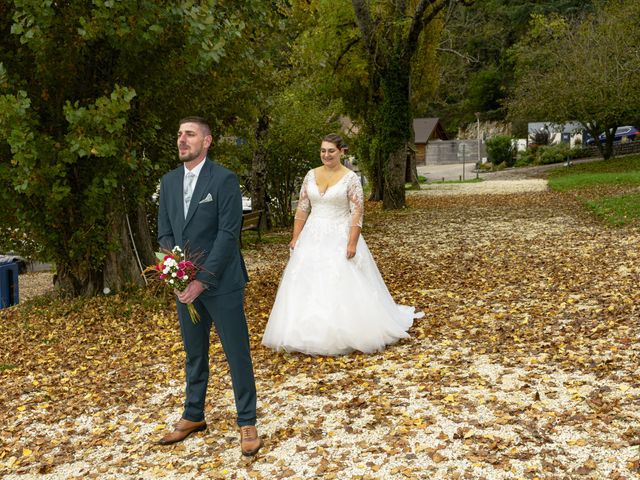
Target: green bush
<point x="15" y="240"/>
<point x="553" y="154"/>
<point x="583" y="152"/>
<point x="527" y="157"/>
<point x="500" y="149"/>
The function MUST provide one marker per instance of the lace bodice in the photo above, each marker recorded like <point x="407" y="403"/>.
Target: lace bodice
<point x="345" y="199"/>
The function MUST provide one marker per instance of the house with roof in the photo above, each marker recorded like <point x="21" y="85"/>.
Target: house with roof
<point x="426" y="130"/>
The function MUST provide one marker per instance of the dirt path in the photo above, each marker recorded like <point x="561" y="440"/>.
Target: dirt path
<point x="526" y="365"/>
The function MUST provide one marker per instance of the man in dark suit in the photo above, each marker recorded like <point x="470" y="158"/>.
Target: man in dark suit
<point x="201" y="211"/>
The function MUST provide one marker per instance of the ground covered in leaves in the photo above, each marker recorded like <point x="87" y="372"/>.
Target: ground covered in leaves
<point x="526" y="364"/>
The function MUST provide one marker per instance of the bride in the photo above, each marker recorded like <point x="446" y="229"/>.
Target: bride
<point x="332" y="299"/>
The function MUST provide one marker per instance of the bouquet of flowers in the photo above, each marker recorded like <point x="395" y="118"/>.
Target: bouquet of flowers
<point x="176" y="272"/>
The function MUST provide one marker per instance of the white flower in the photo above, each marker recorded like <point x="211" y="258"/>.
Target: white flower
<point x="171" y="281"/>
<point x="165" y="270"/>
<point x="186" y="277"/>
<point x="174" y="275"/>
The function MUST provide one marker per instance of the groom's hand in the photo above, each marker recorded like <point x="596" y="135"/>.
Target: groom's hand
<point x="193" y="291"/>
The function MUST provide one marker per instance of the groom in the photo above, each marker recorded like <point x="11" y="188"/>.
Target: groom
<point x="201" y="211"/>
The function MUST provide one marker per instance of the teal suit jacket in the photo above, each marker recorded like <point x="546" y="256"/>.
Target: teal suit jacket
<point x="211" y="230"/>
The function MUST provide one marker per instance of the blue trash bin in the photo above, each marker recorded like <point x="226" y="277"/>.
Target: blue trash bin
<point x="9" y="291"/>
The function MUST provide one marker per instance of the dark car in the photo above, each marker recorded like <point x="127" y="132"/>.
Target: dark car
<point x="627" y="132"/>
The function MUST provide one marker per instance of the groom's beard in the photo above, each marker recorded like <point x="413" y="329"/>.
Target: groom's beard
<point x="190" y="155"/>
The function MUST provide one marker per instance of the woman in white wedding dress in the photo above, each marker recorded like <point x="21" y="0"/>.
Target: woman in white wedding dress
<point x="332" y="299"/>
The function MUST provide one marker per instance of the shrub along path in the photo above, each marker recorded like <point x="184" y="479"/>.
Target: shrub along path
<point x="526" y="364"/>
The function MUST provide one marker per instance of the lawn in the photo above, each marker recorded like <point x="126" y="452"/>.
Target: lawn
<point x="609" y="188"/>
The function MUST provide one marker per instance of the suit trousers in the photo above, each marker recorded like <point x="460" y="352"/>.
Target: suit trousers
<point x="226" y="313"/>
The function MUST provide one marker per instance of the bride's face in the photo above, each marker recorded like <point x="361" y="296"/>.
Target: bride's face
<point x="330" y="154"/>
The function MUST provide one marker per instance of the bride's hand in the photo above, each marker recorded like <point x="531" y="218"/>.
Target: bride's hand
<point x="292" y="244"/>
<point x="351" y="251"/>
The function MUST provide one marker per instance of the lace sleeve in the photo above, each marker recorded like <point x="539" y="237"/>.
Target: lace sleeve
<point x="356" y="200"/>
<point x="304" y="205"/>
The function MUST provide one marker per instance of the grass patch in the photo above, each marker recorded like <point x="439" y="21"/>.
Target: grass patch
<point x="623" y="169"/>
<point x="609" y="188"/>
<point x="6" y="366"/>
<point x="584" y="180"/>
<point x="617" y="211"/>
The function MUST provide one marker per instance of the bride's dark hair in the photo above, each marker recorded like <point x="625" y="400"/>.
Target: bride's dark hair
<point x="335" y="139"/>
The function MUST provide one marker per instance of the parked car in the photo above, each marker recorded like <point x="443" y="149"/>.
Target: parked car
<point x="627" y="132"/>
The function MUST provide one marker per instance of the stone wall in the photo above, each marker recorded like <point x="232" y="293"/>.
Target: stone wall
<point x="487" y="130"/>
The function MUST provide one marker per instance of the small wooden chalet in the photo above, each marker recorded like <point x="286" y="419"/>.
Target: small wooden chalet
<point x="426" y="129"/>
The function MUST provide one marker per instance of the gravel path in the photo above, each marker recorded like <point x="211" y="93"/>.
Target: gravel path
<point x="525" y="366"/>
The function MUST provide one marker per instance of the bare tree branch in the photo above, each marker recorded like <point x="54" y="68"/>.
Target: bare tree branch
<point x="468" y="58"/>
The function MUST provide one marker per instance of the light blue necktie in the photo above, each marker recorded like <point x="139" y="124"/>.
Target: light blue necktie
<point x="188" y="191"/>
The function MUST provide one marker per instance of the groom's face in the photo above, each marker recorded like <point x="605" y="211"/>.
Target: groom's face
<point x="193" y="141"/>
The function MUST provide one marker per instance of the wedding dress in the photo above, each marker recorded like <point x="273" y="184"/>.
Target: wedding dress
<point x="327" y="304"/>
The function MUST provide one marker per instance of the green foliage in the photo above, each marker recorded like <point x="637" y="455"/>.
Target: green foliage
<point x="299" y="124"/>
<point x="615" y="166"/>
<point x="15" y="240"/>
<point x="475" y="67"/>
<point x="594" y="182"/>
<point x="547" y="154"/>
<point x="90" y="97"/>
<point x="582" y="71"/>
<point x="500" y="150"/>
<point x="576" y="181"/>
<point x="619" y="210"/>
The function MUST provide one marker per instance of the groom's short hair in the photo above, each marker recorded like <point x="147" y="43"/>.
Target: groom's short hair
<point x="200" y="121"/>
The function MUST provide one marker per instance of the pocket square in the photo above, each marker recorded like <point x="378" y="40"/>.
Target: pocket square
<point x="206" y="199"/>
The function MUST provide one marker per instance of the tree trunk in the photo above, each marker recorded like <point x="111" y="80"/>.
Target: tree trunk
<point x="259" y="171"/>
<point x="121" y="268"/>
<point x="394" y="194"/>
<point x="144" y="242"/>
<point x="395" y="129"/>
<point x="411" y="171"/>
<point x="377" y="178"/>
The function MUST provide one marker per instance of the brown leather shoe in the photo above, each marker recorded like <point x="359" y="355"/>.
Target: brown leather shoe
<point x="250" y="442"/>
<point x="183" y="429"/>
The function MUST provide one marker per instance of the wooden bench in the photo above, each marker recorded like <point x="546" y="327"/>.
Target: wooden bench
<point x="251" y="221"/>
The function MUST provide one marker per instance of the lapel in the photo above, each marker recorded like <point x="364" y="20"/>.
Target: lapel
<point x="201" y="185"/>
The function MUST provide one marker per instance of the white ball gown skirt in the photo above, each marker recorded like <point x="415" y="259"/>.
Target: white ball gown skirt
<point x="329" y="305"/>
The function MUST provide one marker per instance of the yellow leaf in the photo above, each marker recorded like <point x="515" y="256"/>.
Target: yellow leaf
<point x="26" y="452"/>
<point x="581" y="442"/>
<point x="22" y="408"/>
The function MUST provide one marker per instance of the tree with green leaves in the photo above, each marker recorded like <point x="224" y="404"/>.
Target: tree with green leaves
<point x="90" y="93"/>
<point x="475" y="65"/>
<point x="585" y="71"/>
<point x="391" y="32"/>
